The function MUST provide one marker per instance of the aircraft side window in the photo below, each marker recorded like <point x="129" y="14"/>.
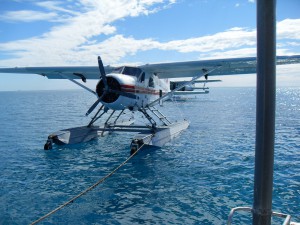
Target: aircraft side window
<point x="151" y="82"/>
<point x="118" y="69"/>
<point x="132" y="71"/>
<point x="172" y="85"/>
<point x="142" y="79"/>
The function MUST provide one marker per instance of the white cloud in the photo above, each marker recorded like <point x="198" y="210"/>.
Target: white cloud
<point x="288" y="29"/>
<point x="55" y="6"/>
<point x="237" y="53"/>
<point x="27" y="16"/>
<point x="233" y="38"/>
<point x="74" y="41"/>
<point x="293" y="43"/>
<point x="60" y="45"/>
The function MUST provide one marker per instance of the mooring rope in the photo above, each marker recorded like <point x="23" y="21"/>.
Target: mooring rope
<point x="91" y="187"/>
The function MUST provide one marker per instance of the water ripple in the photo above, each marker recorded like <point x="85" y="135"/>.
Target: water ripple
<point x="196" y="179"/>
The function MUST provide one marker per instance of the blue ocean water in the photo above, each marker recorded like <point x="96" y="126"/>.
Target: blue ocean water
<point x="195" y="179"/>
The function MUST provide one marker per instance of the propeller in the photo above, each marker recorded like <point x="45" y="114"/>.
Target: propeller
<point x="91" y="109"/>
<point x="103" y="75"/>
<point x="108" y="85"/>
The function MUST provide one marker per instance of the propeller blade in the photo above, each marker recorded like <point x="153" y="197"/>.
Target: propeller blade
<point x="102" y="72"/>
<point x="93" y="106"/>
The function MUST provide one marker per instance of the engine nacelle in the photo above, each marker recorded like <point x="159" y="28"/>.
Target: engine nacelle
<point x="121" y="84"/>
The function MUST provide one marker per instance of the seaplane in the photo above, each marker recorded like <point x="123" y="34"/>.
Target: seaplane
<point x="139" y="89"/>
<point x="187" y="92"/>
<point x="191" y="87"/>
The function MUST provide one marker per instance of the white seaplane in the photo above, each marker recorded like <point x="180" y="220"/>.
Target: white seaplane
<point x="137" y="89"/>
<point x="187" y="92"/>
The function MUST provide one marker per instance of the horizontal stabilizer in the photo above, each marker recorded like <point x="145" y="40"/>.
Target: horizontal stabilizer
<point x="200" y="88"/>
<point x="190" y="92"/>
<point x="207" y="81"/>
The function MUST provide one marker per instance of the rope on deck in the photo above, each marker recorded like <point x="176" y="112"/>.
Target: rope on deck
<point x="91" y="187"/>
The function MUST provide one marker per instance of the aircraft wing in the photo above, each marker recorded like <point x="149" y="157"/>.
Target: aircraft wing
<point x="72" y="72"/>
<point x="225" y="66"/>
<point x="163" y="70"/>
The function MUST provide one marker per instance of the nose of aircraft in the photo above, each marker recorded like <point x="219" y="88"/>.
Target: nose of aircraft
<point x="108" y="96"/>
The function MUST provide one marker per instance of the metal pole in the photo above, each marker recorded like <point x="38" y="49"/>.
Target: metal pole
<point x="265" y="111"/>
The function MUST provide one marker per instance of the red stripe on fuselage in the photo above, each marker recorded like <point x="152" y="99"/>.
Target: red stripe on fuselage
<point x="139" y="90"/>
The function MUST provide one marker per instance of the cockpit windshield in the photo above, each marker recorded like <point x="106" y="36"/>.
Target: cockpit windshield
<point x="118" y="69"/>
<point x="127" y="70"/>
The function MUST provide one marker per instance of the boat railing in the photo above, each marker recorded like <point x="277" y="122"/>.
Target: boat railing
<point x="287" y="217"/>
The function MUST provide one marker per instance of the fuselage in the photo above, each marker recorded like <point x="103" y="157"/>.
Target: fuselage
<point x="144" y="87"/>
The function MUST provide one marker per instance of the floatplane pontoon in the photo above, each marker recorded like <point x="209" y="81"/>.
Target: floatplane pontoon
<point x="152" y="134"/>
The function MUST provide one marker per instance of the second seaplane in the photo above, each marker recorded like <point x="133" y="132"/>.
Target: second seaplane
<point x="137" y="89"/>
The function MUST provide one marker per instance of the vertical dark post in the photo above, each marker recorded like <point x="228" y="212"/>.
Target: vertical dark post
<point x="265" y="111"/>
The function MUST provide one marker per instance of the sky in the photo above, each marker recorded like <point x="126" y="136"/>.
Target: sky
<point x="75" y="32"/>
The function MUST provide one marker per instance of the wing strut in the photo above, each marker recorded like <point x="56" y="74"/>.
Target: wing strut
<point x="169" y="94"/>
<point x="76" y="82"/>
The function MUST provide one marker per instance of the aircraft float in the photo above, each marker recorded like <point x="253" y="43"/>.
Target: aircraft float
<point x="138" y="89"/>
